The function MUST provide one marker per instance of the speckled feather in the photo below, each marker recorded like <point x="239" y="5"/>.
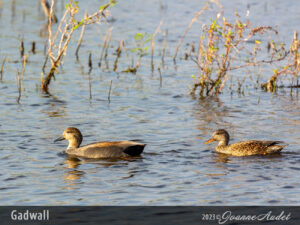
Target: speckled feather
<point x="244" y="148"/>
<point x="251" y="147"/>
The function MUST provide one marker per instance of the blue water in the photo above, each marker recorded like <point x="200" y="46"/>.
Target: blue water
<point x="176" y="167"/>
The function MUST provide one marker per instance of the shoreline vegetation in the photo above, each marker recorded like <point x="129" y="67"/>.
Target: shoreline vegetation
<point x="223" y="46"/>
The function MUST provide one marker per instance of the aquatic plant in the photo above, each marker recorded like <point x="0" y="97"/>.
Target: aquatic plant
<point x="292" y="66"/>
<point x="224" y="47"/>
<point x="196" y="15"/>
<point x="2" y="68"/>
<point x="152" y="43"/>
<point x="19" y="78"/>
<point x="104" y="51"/>
<point x="58" y="43"/>
<point x="141" y="49"/>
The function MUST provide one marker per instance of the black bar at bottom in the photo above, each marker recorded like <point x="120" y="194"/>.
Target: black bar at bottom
<point x="146" y="215"/>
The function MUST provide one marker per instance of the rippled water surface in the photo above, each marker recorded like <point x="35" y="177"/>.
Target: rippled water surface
<point x="176" y="167"/>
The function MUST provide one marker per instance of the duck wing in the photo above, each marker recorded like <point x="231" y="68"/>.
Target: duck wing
<point x="114" y="149"/>
<point x="255" y="147"/>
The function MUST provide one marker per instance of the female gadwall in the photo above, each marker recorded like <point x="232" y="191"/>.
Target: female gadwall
<point x="114" y="149"/>
<point x="244" y="148"/>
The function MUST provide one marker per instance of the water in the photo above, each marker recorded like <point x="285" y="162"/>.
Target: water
<point x="176" y="167"/>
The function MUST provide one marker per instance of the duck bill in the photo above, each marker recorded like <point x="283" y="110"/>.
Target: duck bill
<point x="209" y="141"/>
<point x="59" y="139"/>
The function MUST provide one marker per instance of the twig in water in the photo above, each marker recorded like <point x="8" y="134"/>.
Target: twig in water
<point x="152" y="44"/>
<point x="1" y="8"/>
<point x="33" y="47"/>
<point x="2" y="68"/>
<point x="80" y="38"/>
<point x="13" y="11"/>
<point x="164" y="48"/>
<point x="188" y="28"/>
<point x="45" y="63"/>
<point x="19" y="79"/>
<point x="47" y="11"/>
<point x="23" y="16"/>
<point x="61" y="45"/>
<point x="118" y="51"/>
<point x="22" y="48"/>
<point x="45" y="48"/>
<point x="104" y="46"/>
<point x="160" y="77"/>
<point x="23" y="65"/>
<point x="90" y="86"/>
<point x="106" y="49"/>
<point x="19" y="86"/>
<point x="90" y="63"/>
<point x="108" y="97"/>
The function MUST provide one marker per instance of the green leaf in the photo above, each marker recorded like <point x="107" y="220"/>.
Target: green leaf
<point x="135" y="49"/>
<point x="257" y="42"/>
<point x="112" y="2"/>
<point x="103" y="7"/>
<point x="149" y="38"/>
<point x="214" y="48"/>
<point x="138" y="36"/>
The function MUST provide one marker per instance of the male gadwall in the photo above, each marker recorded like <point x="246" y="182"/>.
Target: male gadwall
<point x="114" y="149"/>
<point x="244" y="148"/>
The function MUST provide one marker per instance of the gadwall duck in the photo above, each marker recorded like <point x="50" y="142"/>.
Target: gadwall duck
<point x="244" y="148"/>
<point x="114" y="149"/>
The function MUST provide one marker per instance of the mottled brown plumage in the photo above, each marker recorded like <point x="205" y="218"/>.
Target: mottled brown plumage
<point x="244" y="148"/>
<point x="113" y="149"/>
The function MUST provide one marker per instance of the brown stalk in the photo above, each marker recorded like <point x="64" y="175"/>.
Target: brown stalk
<point x="160" y="77"/>
<point x="81" y="36"/>
<point x="292" y="67"/>
<point x="65" y="36"/>
<point x="13" y="11"/>
<point x="104" y="45"/>
<point x="188" y="28"/>
<point x="22" y="48"/>
<point x="152" y="43"/>
<point x="2" y="68"/>
<point x="33" y="47"/>
<point x="109" y="92"/>
<point x="46" y="8"/>
<point x="90" y="64"/>
<point x="106" y="49"/>
<point x="90" y="85"/>
<point x="19" y="79"/>
<point x="118" y="51"/>
<point x="164" y="47"/>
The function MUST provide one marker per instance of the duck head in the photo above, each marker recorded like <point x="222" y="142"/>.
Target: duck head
<point x="221" y="136"/>
<point x="73" y="135"/>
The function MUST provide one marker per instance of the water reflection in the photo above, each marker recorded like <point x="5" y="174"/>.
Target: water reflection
<point x="72" y="163"/>
<point x="72" y="175"/>
<point x="55" y="107"/>
<point x="72" y="172"/>
<point x="211" y="111"/>
<point x="221" y="158"/>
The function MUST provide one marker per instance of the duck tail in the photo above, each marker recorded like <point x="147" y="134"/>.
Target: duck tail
<point x="276" y="148"/>
<point x="135" y="150"/>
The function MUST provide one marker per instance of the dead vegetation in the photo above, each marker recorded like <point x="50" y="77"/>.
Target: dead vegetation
<point x="58" y="42"/>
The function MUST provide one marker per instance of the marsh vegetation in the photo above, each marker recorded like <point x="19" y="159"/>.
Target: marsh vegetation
<point x="167" y="73"/>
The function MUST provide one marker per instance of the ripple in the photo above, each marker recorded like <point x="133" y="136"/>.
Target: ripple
<point x="176" y="168"/>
